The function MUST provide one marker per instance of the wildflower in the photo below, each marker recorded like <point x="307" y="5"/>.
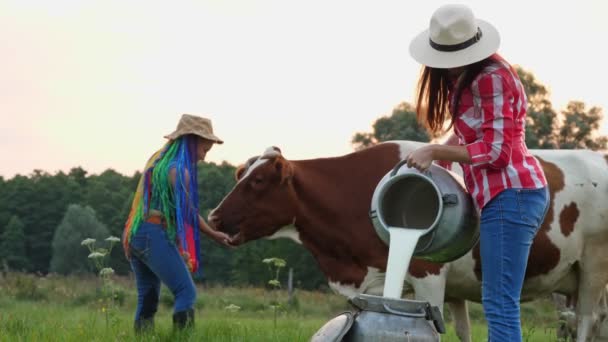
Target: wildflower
<point x="274" y="283"/>
<point x="232" y="308"/>
<point x="106" y="271"/>
<point x="113" y="239"/>
<point x="87" y="242"/>
<point x="96" y="255"/>
<point x="279" y="262"/>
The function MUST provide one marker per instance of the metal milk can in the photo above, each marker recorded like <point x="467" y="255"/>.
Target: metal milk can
<point x="435" y="201"/>
<point x="381" y="319"/>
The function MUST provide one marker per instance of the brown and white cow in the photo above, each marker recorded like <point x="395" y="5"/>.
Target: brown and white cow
<point x="324" y="203"/>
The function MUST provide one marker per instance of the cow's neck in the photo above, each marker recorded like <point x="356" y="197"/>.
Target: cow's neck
<point x="335" y="197"/>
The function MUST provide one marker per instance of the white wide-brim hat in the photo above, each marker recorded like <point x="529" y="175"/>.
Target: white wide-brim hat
<point x="454" y="38"/>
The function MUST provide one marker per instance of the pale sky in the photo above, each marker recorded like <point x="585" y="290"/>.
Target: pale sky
<point x="98" y="83"/>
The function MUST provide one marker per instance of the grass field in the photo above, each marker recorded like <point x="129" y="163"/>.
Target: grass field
<point x="69" y="309"/>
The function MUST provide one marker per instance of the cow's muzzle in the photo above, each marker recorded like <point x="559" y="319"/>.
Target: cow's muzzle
<point x="216" y="223"/>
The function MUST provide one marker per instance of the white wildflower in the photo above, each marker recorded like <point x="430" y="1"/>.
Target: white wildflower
<point x="87" y="242"/>
<point x="232" y="308"/>
<point x="113" y="239"/>
<point x="96" y="255"/>
<point x="106" y="271"/>
<point x="279" y="262"/>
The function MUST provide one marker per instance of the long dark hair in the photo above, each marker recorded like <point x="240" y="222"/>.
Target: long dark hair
<point x="433" y="103"/>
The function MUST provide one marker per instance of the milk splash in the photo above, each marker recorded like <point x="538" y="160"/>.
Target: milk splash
<point x="402" y="246"/>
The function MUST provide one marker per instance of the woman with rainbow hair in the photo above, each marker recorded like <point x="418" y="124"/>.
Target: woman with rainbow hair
<point x="161" y="235"/>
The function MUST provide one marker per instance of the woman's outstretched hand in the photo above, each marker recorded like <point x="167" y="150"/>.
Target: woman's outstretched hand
<point x="219" y="237"/>
<point x="421" y="158"/>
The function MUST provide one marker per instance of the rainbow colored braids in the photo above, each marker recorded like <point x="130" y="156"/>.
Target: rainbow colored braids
<point x="178" y="204"/>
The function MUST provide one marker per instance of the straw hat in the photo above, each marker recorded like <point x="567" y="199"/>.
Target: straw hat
<point x="455" y="38"/>
<point x="192" y="124"/>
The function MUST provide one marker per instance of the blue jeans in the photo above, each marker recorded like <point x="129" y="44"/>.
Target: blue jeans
<point x="508" y="225"/>
<point x="154" y="259"/>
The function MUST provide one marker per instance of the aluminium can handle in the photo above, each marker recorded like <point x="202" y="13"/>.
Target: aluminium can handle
<point x="431" y="313"/>
<point x="398" y="166"/>
<point x="421" y="314"/>
<point x="403" y="162"/>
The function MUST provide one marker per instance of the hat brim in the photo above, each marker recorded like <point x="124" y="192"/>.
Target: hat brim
<point x="422" y="51"/>
<point x="208" y="136"/>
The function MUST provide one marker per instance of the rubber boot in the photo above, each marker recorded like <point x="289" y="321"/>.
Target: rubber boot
<point x="183" y="319"/>
<point x="143" y="325"/>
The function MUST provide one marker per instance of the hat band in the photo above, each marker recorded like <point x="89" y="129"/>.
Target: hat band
<point x="456" y="47"/>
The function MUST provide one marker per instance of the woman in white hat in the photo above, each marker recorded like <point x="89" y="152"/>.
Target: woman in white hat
<point x="466" y="82"/>
<point x="161" y="236"/>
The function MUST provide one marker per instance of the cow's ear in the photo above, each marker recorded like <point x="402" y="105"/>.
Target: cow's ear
<point x="284" y="168"/>
<point x="239" y="172"/>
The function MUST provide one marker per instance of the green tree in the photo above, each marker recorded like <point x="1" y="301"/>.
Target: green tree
<point x="79" y="175"/>
<point x="110" y="194"/>
<point x="580" y="126"/>
<point x="52" y="194"/>
<point x="4" y="213"/>
<point x="39" y="200"/>
<point x="402" y="124"/>
<point x="78" y="224"/>
<point x="214" y="182"/>
<point x="19" y="199"/>
<point x="12" y="245"/>
<point x="541" y="118"/>
<point x="577" y="127"/>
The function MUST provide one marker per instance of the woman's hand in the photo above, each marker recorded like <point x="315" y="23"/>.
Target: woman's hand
<point x="219" y="237"/>
<point x="421" y="158"/>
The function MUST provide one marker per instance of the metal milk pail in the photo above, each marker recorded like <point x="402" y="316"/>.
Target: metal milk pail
<point x="435" y="201"/>
<point x="380" y="319"/>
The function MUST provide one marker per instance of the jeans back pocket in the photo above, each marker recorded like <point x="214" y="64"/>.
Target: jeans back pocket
<point x="533" y="204"/>
<point x="140" y="245"/>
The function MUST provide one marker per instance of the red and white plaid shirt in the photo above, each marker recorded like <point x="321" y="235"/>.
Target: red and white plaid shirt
<point x="490" y="122"/>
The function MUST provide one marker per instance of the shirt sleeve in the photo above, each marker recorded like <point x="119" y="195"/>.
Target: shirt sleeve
<point x="493" y="98"/>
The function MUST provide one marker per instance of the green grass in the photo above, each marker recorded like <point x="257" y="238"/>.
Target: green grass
<point x="69" y="309"/>
<point x="31" y="321"/>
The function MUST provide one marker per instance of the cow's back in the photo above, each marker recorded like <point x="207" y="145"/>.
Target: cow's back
<point x="584" y="192"/>
<point x="578" y="181"/>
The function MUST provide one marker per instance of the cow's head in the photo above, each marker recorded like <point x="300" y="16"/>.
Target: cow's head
<point x="262" y="201"/>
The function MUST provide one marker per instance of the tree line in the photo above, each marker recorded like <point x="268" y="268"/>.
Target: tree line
<point x="44" y="217"/>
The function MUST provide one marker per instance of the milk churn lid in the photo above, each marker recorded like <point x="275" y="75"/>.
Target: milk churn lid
<point x="404" y="307"/>
<point x="401" y="307"/>
<point x="335" y="329"/>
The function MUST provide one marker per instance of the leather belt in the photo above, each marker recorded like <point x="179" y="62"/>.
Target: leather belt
<point x="156" y="217"/>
